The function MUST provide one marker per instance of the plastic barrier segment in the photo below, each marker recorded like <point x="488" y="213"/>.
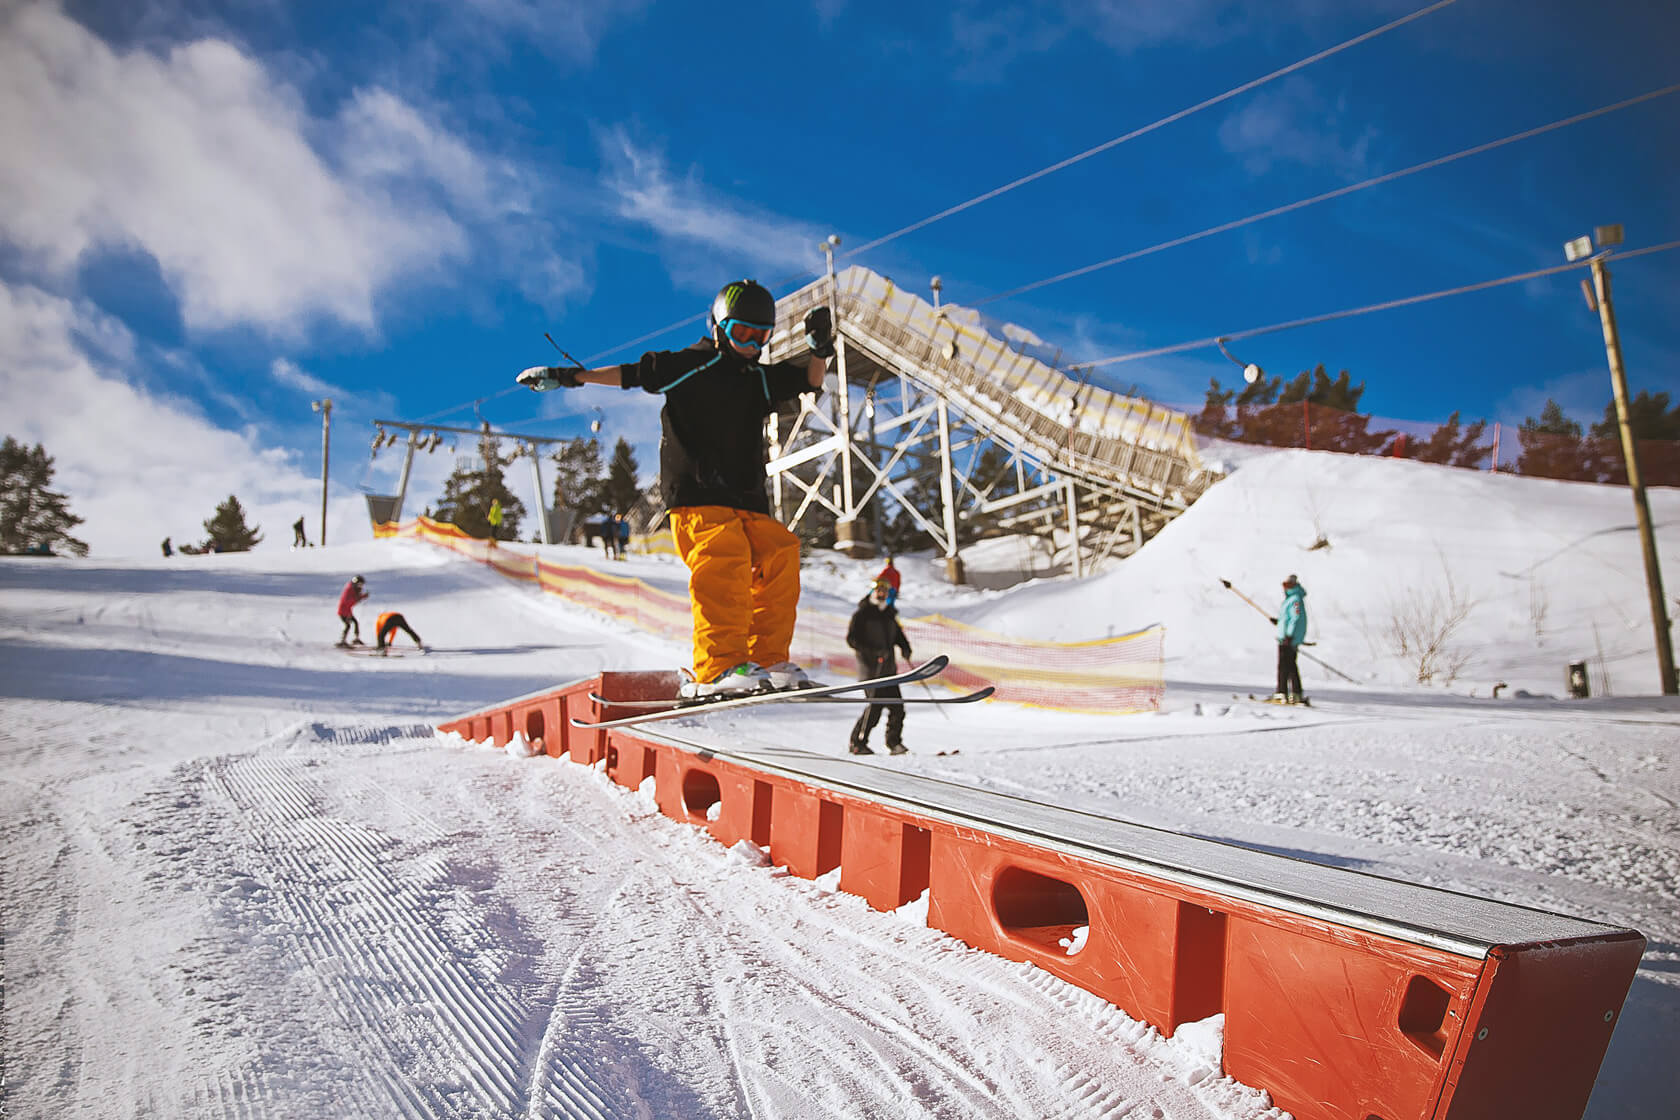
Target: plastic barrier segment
<point x="543" y="718"/>
<point x="1346" y="996"/>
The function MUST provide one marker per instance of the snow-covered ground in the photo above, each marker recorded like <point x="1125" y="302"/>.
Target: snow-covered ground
<point x="243" y="878"/>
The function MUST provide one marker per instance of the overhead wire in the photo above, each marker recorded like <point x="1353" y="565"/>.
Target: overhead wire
<point x="1326" y="196"/>
<point x="1386" y="305"/>
<point x="1171" y="118"/>
<point x="1060" y="165"/>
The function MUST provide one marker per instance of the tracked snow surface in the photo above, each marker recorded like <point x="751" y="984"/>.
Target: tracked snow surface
<point x="242" y="877"/>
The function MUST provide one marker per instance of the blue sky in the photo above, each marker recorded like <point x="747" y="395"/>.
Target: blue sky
<point x="213" y="213"/>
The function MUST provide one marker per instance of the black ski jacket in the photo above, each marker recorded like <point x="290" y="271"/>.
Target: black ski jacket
<point x="874" y="631"/>
<point x="712" y="446"/>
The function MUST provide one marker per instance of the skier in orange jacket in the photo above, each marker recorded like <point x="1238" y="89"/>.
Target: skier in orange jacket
<point x="386" y="627"/>
<point x="743" y="564"/>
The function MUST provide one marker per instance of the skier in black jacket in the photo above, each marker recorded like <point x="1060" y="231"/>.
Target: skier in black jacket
<point x="743" y="564"/>
<point x="873" y="634"/>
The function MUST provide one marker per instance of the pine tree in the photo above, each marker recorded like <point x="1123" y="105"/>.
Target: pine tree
<point x="227" y="529"/>
<point x="470" y="490"/>
<point x="33" y="516"/>
<point x="1451" y="445"/>
<point x="623" y="490"/>
<point x="1656" y="429"/>
<point x="1552" y="447"/>
<point x="578" y="482"/>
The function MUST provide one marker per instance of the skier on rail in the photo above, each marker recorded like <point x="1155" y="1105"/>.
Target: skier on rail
<point x="743" y="564"/>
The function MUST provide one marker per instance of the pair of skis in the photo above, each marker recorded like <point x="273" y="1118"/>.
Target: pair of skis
<point x="650" y="711"/>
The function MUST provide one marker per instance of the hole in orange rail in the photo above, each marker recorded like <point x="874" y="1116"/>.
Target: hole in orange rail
<point x="534" y="725"/>
<point x="700" y="792"/>
<point x="762" y="793"/>
<point x="1037" y="909"/>
<point x="1423" y="1014"/>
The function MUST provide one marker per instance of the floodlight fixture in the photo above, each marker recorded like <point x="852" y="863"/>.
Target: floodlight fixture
<point x="1607" y="236"/>
<point x="1578" y="248"/>
<point x="1251" y="372"/>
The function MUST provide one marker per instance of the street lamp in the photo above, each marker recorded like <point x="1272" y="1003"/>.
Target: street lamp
<point x="938" y="286"/>
<point x="324" y="407"/>
<point x="1608" y="237"/>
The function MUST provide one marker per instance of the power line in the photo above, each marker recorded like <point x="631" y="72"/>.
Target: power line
<point x="1386" y="305"/>
<point x="1069" y="161"/>
<point x="1326" y="196"/>
<point x="1148" y="128"/>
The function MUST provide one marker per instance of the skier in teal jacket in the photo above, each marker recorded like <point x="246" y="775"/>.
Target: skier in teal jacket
<point x="1291" y="633"/>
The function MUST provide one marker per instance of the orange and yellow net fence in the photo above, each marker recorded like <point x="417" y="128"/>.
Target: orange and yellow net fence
<point x="1109" y="676"/>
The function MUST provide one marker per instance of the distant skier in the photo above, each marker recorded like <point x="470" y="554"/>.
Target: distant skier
<point x="873" y="633"/>
<point x="495" y="519"/>
<point x="743" y="564"/>
<point x="167" y="550"/>
<point x="299" y="540"/>
<point x="385" y="628"/>
<point x="354" y="592"/>
<point x="890" y="574"/>
<point x="623" y="528"/>
<point x="1291" y="624"/>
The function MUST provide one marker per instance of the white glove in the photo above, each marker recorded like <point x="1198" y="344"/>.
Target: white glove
<point x="544" y="378"/>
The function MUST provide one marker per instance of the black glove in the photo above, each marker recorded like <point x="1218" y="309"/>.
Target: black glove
<point x="907" y="654"/>
<point x="1271" y="620"/>
<point x="819" y="332"/>
<point x="544" y="378"/>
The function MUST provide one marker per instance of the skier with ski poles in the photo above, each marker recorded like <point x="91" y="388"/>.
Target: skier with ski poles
<point x="1291" y="623"/>
<point x="743" y="564"/>
<point x="1319" y="661"/>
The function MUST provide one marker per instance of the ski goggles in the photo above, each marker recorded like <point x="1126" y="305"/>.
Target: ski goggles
<point x="743" y="333"/>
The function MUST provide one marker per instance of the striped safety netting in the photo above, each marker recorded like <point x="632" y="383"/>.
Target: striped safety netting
<point x="1111" y="675"/>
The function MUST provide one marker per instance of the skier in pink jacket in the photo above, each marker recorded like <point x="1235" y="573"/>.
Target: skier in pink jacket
<point x="354" y="592"/>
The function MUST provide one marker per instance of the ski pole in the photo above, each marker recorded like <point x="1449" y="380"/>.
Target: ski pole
<point x="1328" y="666"/>
<point x="575" y="363"/>
<point x="1317" y="660"/>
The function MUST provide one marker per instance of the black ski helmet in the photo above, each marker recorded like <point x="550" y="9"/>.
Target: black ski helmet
<point x="745" y="300"/>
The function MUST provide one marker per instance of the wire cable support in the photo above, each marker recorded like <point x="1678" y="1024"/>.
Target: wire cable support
<point x="1232" y="336"/>
<point x="1326" y="196"/>
<point x="1172" y="118"/>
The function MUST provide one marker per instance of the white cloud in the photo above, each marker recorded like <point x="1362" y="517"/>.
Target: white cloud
<point x="139" y="467"/>
<point x="200" y="158"/>
<point x="292" y="376"/>
<point x="568" y="29"/>
<point x="689" y="216"/>
<point x="1293" y="123"/>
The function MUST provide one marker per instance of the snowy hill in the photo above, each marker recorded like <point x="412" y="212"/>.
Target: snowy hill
<point x="1549" y="573"/>
<point x="243" y="879"/>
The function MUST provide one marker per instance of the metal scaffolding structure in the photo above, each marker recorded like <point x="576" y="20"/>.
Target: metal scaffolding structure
<point x="968" y="434"/>
<point x="553" y="524"/>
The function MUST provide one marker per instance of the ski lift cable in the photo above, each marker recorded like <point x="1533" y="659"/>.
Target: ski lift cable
<point x="1060" y="165"/>
<point x="1386" y="305"/>
<point x="1327" y="195"/>
<point x="1148" y="128"/>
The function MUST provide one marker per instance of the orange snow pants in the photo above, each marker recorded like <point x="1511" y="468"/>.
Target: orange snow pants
<point x="743" y="582"/>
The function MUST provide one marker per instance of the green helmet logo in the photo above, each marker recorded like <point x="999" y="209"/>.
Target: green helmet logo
<point x="745" y="300"/>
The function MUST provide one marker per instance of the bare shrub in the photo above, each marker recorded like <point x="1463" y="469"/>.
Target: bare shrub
<point x="1539" y="604"/>
<point x="1422" y="624"/>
